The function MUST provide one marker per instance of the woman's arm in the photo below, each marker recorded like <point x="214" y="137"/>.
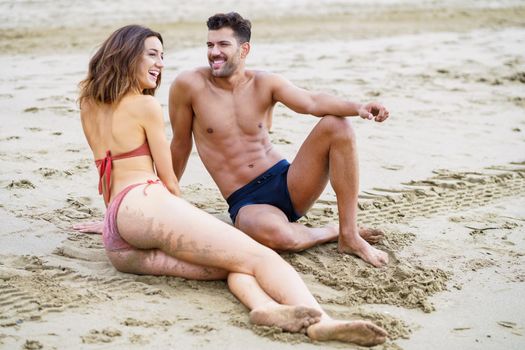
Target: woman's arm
<point x="153" y="124"/>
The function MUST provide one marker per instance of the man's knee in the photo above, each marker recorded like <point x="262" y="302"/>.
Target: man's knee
<point x="267" y="228"/>
<point x="279" y="237"/>
<point x="338" y="128"/>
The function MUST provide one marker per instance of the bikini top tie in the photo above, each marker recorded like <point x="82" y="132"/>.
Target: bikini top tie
<point x="105" y="165"/>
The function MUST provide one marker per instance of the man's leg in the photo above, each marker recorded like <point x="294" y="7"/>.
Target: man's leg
<point x="269" y="226"/>
<point x="330" y="152"/>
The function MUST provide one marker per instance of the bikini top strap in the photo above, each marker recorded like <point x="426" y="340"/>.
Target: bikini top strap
<point x="142" y="150"/>
<point x="104" y="169"/>
<point x="106" y="164"/>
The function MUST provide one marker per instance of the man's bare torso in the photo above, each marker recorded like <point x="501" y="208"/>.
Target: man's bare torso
<point x="231" y="128"/>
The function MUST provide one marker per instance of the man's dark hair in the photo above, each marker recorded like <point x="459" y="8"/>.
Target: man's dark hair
<point x="240" y="26"/>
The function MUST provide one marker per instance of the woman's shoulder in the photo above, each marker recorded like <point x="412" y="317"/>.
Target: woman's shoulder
<point x="90" y="111"/>
<point x="138" y="104"/>
<point x="143" y="109"/>
<point x="86" y="106"/>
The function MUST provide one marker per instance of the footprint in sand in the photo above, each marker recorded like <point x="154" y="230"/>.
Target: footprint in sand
<point x="138" y="339"/>
<point x="200" y="329"/>
<point x="34" y="129"/>
<point x="31" y="110"/>
<point x="9" y="138"/>
<point x="50" y="172"/>
<point x="517" y="77"/>
<point x="26" y="184"/>
<point x="33" y="345"/>
<point x="106" y="335"/>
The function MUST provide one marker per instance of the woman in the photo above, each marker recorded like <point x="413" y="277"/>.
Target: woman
<point x="149" y="229"/>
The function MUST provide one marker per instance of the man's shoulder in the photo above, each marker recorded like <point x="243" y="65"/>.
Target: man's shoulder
<point x="192" y="77"/>
<point x="265" y="76"/>
<point x="260" y="74"/>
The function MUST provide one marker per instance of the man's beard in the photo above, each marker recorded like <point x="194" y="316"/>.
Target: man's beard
<point x="225" y="71"/>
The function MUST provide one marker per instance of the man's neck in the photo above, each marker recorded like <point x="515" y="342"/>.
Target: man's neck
<point x="238" y="78"/>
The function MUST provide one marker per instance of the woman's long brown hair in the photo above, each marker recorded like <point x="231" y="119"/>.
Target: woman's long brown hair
<point x="112" y="70"/>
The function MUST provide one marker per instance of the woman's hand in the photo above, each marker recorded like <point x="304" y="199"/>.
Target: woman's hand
<point x="90" y="227"/>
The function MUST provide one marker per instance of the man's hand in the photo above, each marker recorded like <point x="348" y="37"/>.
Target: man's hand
<point x="90" y="227"/>
<point x="373" y="110"/>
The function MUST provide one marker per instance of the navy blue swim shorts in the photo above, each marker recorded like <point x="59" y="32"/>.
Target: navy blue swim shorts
<point x="268" y="188"/>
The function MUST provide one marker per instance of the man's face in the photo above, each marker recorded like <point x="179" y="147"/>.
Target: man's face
<point x="224" y="52"/>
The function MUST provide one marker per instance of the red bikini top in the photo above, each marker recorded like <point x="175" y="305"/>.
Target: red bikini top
<point x="104" y="165"/>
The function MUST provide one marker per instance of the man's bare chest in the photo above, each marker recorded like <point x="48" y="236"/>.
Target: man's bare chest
<point x="231" y="115"/>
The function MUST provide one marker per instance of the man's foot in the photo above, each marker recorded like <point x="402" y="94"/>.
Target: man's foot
<point x="331" y="233"/>
<point x="371" y="235"/>
<point x="364" y="250"/>
<point x="289" y="318"/>
<point x="359" y="332"/>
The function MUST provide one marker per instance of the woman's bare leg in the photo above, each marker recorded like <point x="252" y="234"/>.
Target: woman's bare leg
<point x="156" y="262"/>
<point x="267" y="312"/>
<point x="163" y="221"/>
<point x="318" y="326"/>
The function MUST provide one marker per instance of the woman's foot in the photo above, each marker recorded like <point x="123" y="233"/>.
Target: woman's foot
<point x="289" y="318"/>
<point x="359" y="332"/>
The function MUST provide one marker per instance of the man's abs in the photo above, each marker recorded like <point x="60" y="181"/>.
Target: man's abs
<point x="236" y="165"/>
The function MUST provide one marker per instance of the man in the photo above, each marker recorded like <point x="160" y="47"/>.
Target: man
<point x="229" y="110"/>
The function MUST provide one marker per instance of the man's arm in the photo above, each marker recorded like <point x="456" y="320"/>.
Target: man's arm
<point x="181" y="118"/>
<point x="321" y="104"/>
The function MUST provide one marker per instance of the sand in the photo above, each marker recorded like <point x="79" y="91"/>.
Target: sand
<point x="444" y="177"/>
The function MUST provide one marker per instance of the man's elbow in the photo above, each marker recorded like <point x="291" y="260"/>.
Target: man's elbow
<point x="316" y="107"/>
<point x="308" y="108"/>
<point x="316" y="111"/>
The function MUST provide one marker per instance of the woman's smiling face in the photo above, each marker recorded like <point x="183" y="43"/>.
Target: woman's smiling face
<point x="151" y="63"/>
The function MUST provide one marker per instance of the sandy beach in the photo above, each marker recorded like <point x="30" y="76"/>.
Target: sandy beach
<point x="444" y="177"/>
